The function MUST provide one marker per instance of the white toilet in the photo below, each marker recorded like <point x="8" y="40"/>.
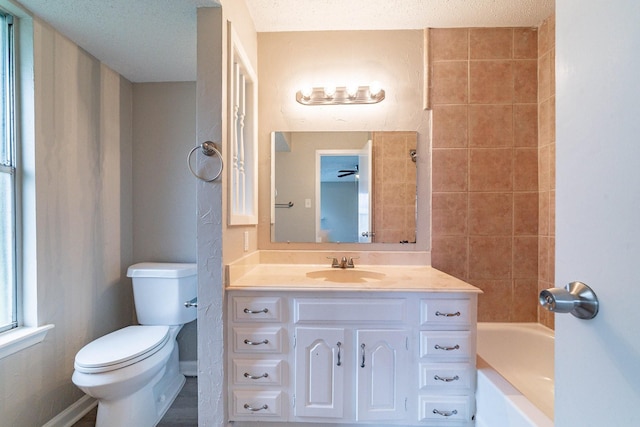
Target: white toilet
<point x="133" y="372"/>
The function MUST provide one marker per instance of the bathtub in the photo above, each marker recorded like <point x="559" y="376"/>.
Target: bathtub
<point x="515" y="375"/>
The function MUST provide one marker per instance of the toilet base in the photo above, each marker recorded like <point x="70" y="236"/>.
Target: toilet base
<point x="147" y="406"/>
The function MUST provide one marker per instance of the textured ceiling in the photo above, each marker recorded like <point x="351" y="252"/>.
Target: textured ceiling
<point x="314" y="15"/>
<point x="155" y="40"/>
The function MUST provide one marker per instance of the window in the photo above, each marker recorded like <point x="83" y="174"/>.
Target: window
<point x="8" y="185"/>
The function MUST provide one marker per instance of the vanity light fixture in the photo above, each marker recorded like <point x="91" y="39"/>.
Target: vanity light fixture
<point x="341" y="95"/>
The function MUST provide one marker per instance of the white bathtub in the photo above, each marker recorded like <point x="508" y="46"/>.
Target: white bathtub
<point x="515" y="375"/>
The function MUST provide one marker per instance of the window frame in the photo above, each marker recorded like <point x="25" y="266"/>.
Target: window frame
<point x="9" y="140"/>
<point x="30" y="330"/>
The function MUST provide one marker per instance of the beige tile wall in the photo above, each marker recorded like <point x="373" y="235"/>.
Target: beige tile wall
<point x="484" y="95"/>
<point x="546" y="161"/>
<point x="395" y="194"/>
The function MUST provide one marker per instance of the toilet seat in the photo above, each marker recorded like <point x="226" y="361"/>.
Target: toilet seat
<point x="121" y="348"/>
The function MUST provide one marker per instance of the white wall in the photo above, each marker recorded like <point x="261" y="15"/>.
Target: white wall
<point x="83" y="224"/>
<point x="164" y="206"/>
<point x="211" y="125"/>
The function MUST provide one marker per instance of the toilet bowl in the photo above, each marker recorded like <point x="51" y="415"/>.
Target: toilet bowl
<point x="134" y="372"/>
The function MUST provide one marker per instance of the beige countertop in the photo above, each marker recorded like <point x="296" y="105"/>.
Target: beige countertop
<point x="313" y="277"/>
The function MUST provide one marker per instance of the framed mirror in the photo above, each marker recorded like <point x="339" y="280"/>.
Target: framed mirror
<point x="343" y="187"/>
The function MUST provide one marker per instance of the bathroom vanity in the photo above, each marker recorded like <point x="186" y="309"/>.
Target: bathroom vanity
<point x="384" y="345"/>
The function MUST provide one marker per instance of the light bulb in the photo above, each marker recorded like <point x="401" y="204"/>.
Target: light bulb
<point x="374" y="89"/>
<point x="306" y="92"/>
<point x="329" y="90"/>
<point x="352" y="90"/>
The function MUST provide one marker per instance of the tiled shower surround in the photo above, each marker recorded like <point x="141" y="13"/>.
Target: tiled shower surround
<point x="546" y="161"/>
<point x="484" y="90"/>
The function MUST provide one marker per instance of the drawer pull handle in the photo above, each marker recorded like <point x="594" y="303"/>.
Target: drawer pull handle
<point x="339" y="344"/>
<point x="362" y="347"/>
<point x="255" y="377"/>
<point x="249" y="311"/>
<point x="445" y="413"/>
<point x="444" y="379"/>
<point x="262" y="408"/>
<point x="439" y="347"/>
<point x="265" y="341"/>
<point x="457" y="313"/>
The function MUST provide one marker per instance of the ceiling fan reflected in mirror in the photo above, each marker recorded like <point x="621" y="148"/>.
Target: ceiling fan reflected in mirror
<point x="347" y="172"/>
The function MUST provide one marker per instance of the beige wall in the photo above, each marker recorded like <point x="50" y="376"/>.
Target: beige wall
<point x="164" y="226"/>
<point x="83" y="194"/>
<point x="164" y="126"/>
<point x="289" y="60"/>
<point x="546" y="161"/>
<point x="485" y="167"/>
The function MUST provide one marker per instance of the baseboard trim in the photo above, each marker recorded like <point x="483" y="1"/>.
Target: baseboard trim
<point x="73" y="413"/>
<point x="189" y="368"/>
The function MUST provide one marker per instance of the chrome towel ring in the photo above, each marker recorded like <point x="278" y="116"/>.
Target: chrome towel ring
<point x="208" y="149"/>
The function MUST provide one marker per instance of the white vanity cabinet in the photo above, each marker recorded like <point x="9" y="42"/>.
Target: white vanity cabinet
<point x="372" y="358"/>
<point x="258" y="371"/>
<point x="350" y="358"/>
<point x="447" y="359"/>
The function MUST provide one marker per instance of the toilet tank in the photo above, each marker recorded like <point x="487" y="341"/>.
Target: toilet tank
<point x="160" y="291"/>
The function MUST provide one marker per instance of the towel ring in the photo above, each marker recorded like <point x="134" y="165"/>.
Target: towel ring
<point x="208" y="149"/>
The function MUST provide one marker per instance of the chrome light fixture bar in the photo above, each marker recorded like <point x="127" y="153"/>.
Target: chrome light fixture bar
<point x="342" y="95"/>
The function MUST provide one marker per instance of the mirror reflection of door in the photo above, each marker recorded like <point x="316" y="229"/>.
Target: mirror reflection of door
<point x="343" y="195"/>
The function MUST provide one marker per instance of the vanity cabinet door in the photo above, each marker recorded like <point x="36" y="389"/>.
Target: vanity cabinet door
<point x="381" y="371"/>
<point x="319" y="372"/>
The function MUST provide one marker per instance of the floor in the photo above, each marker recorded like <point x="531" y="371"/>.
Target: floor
<point x="182" y="413"/>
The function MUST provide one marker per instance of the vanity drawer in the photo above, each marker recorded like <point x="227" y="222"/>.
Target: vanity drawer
<point x="257" y="372"/>
<point x="444" y="408"/>
<point x="350" y="310"/>
<point x="254" y="404"/>
<point x="446" y="376"/>
<point x="257" y="309"/>
<point x="446" y="344"/>
<point x="445" y="312"/>
<point x="258" y="340"/>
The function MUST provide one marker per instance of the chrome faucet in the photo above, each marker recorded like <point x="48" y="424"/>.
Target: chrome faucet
<point x="343" y="263"/>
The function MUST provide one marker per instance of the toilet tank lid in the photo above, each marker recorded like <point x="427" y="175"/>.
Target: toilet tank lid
<point x="162" y="269"/>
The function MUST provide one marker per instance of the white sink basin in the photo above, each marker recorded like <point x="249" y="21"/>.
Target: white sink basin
<point x="346" y="275"/>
